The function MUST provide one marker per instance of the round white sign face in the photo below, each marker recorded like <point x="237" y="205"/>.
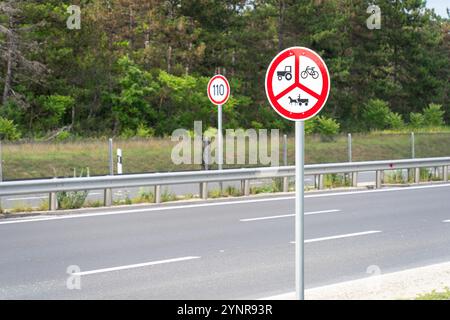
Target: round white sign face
<point x="297" y="83"/>
<point x="218" y="89"/>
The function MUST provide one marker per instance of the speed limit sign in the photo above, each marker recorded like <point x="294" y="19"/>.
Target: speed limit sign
<point x="218" y="89"/>
<point x="218" y="93"/>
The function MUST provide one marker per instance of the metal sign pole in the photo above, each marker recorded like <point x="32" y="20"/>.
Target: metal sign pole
<point x="299" y="209"/>
<point x="219" y="137"/>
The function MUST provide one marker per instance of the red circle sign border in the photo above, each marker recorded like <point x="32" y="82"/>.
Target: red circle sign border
<point x="228" y="90"/>
<point x="321" y="98"/>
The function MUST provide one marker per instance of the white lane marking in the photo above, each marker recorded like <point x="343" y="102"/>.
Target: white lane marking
<point x="348" y="235"/>
<point x="133" y="266"/>
<point x="26" y="198"/>
<point x="446" y="221"/>
<point x="97" y="214"/>
<point x="221" y="203"/>
<point x="289" y="215"/>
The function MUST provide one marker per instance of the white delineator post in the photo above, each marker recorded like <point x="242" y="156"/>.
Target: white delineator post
<point x="299" y="209"/>
<point x="119" y="161"/>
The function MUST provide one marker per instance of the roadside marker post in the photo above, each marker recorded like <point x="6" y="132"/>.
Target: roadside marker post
<point x="218" y="93"/>
<point x="297" y="86"/>
<point x="119" y="161"/>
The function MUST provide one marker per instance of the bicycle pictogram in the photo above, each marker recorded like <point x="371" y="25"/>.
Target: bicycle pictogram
<point x="311" y="72"/>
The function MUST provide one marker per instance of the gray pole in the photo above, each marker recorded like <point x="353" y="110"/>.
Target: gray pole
<point x="1" y="163"/>
<point x="299" y="209"/>
<point x="108" y="196"/>
<point x="1" y="173"/>
<point x="413" y="147"/>
<point x="349" y="142"/>
<point x="219" y="137"/>
<point x="285" y="162"/>
<point x="111" y="161"/>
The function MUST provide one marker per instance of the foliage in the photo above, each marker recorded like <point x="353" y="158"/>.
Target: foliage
<point x="395" y="120"/>
<point x="416" y="120"/>
<point x="435" y="295"/>
<point x="8" y="130"/>
<point x="71" y="199"/>
<point x="376" y="113"/>
<point x="53" y="109"/>
<point x="144" y="73"/>
<point x="327" y="127"/>
<point x="433" y="115"/>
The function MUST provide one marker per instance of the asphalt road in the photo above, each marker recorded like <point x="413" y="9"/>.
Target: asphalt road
<point x="35" y="200"/>
<point x="228" y="250"/>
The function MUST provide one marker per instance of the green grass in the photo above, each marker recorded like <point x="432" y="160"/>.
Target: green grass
<point x="434" y="295"/>
<point x="336" y="180"/>
<point x="41" y="159"/>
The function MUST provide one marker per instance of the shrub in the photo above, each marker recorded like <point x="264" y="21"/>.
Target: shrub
<point x="71" y="199"/>
<point x="63" y="136"/>
<point x="327" y="127"/>
<point x="257" y="125"/>
<point x="210" y="132"/>
<point x="376" y="113"/>
<point x="433" y="115"/>
<point x="144" y="132"/>
<point x="416" y="120"/>
<point x="8" y="130"/>
<point x="54" y="107"/>
<point x="395" y="120"/>
<point x="127" y="133"/>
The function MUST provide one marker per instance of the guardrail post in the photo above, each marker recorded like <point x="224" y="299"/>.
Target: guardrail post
<point x="417" y="175"/>
<point x="354" y="179"/>
<point x="204" y="190"/>
<point x="378" y="179"/>
<point x="321" y="181"/>
<point x="205" y="166"/>
<point x="445" y="173"/>
<point x="158" y="194"/>
<point x="107" y="197"/>
<point x="285" y="161"/>
<point x="52" y="201"/>
<point x="246" y="187"/>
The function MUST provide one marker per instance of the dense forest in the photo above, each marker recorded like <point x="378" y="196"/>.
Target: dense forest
<point x="140" y="67"/>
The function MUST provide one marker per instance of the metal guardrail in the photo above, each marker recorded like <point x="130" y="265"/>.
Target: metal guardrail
<point x="51" y="186"/>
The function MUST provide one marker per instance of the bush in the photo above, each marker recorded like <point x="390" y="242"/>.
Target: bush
<point x="416" y="120"/>
<point x="395" y="120"/>
<point x="327" y="127"/>
<point x="63" y="136"/>
<point x="127" y="133"/>
<point x="8" y="130"/>
<point x="71" y="199"/>
<point x="376" y="114"/>
<point x="144" y="132"/>
<point x="54" y="108"/>
<point x="433" y="115"/>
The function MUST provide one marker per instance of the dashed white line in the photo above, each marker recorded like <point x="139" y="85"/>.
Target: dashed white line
<point x="134" y="266"/>
<point x="289" y="215"/>
<point x="348" y="235"/>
